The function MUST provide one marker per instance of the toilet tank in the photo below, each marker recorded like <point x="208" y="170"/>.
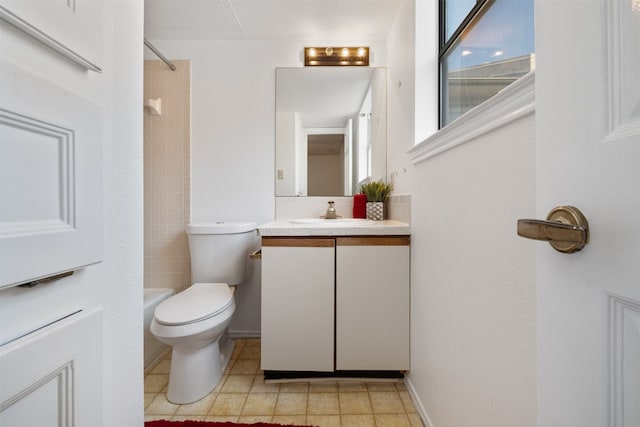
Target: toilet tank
<point x="220" y="251"/>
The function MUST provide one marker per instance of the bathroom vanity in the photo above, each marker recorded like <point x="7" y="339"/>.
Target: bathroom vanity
<point x="335" y="298"/>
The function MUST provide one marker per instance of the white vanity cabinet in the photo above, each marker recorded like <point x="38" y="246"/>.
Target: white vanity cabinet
<point x="372" y="303"/>
<point x="298" y="295"/>
<point x="335" y="303"/>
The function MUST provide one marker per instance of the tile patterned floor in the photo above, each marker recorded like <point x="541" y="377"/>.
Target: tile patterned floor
<point x="243" y="396"/>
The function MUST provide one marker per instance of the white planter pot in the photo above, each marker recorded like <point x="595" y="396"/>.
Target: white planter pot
<point x="375" y="211"/>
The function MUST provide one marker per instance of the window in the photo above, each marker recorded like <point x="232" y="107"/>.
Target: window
<point x="485" y="45"/>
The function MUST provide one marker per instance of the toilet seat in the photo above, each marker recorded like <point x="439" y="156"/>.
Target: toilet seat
<point x="198" y="302"/>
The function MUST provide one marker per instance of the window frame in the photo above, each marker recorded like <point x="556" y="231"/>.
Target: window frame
<point x="444" y="44"/>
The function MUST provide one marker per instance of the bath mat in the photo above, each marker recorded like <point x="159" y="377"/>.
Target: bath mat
<point x="164" y="423"/>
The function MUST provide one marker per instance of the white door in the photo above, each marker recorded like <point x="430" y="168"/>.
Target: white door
<point x="588" y="156"/>
<point x="51" y="211"/>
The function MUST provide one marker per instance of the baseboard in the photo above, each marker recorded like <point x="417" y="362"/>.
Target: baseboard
<point x="422" y="412"/>
<point x="244" y="334"/>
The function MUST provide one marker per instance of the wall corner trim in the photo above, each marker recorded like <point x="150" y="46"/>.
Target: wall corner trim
<point x="510" y="104"/>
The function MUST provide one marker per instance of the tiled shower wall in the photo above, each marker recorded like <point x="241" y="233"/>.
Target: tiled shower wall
<point x="166" y="176"/>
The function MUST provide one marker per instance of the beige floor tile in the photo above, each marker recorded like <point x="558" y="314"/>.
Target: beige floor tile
<point x="252" y="419"/>
<point x="250" y="352"/>
<point x="357" y="421"/>
<point x="249" y="342"/>
<point x="415" y="420"/>
<point x="401" y="386"/>
<point x="351" y="386"/>
<point x="323" y="404"/>
<point x="407" y="402"/>
<point x="156" y="417"/>
<point x="163" y="367"/>
<point x="323" y="387"/>
<point x="245" y="367"/>
<point x="148" y="397"/>
<point x="220" y="384"/>
<point x="236" y="352"/>
<point x="187" y="418"/>
<point x="355" y="403"/>
<point x="155" y="383"/>
<point x="324" y="420"/>
<point x="388" y="386"/>
<point x="302" y="387"/>
<point x="161" y="406"/>
<point x="227" y="404"/>
<point x="386" y="402"/>
<point x="259" y="386"/>
<point x="392" y="420"/>
<point x="237" y="384"/>
<point x="260" y="404"/>
<point x="289" y="419"/>
<point x="291" y="404"/>
<point x="221" y="419"/>
<point x="200" y="407"/>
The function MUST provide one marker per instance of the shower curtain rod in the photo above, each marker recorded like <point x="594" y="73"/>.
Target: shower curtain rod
<point x="148" y="44"/>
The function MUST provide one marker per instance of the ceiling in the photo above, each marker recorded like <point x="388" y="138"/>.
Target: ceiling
<point x="336" y="20"/>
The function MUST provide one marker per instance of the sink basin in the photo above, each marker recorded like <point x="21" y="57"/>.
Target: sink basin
<point x="332" y="222"/>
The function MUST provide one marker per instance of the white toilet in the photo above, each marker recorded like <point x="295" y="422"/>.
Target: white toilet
<point x="194" y="322"/>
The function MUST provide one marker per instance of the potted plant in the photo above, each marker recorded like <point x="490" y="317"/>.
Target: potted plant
<point x="376" y="193"/>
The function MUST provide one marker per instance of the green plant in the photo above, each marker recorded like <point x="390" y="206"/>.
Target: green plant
<point x="376" y="191"/>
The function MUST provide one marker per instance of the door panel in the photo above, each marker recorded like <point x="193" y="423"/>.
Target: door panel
<point x="50" y="178"/>
<point x="53" y="377"/>
<point x="588" y="156"/>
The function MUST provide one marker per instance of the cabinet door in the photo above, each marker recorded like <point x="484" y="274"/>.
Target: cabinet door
<point x="298" y="304"/>
<point x="372" y="303"/>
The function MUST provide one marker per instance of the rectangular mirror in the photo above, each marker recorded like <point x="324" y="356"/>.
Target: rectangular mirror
<point x="331" y="129"/>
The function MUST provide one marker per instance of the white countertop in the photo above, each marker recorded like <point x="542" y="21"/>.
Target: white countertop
<point x="328" y="227"/>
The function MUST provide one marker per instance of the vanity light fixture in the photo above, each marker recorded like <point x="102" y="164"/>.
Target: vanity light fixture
<point x="315" y="56"/>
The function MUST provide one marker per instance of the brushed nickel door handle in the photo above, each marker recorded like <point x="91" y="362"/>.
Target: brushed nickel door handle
<point x="566" y="229"/>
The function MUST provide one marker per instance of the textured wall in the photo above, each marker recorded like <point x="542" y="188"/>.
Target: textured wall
<point x="121" y="274"/>
<point x="473" y="282"/>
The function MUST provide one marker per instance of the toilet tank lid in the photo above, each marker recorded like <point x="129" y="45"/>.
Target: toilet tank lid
<point x="220" y="227"/>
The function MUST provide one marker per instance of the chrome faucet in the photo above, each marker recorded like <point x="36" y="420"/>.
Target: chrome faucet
<point x="331" y="211"/>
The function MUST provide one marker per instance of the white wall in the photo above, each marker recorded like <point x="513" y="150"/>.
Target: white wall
<point x="473" y="282"/>
<point x="121" y="274"/>
<point x="401" y="96"/>
<point x="233" y="136"/>
<point x="473" y="323"/>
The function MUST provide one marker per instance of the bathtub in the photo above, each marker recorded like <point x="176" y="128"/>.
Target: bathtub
<point x="152" y="347"/>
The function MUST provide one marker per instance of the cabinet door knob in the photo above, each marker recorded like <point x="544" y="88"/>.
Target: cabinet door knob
<point x="566" y="229"/>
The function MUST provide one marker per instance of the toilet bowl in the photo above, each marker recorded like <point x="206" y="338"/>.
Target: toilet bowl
<point x="194" y="322"/>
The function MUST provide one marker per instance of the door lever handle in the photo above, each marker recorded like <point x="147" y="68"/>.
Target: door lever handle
<point x="566" y="229"/>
